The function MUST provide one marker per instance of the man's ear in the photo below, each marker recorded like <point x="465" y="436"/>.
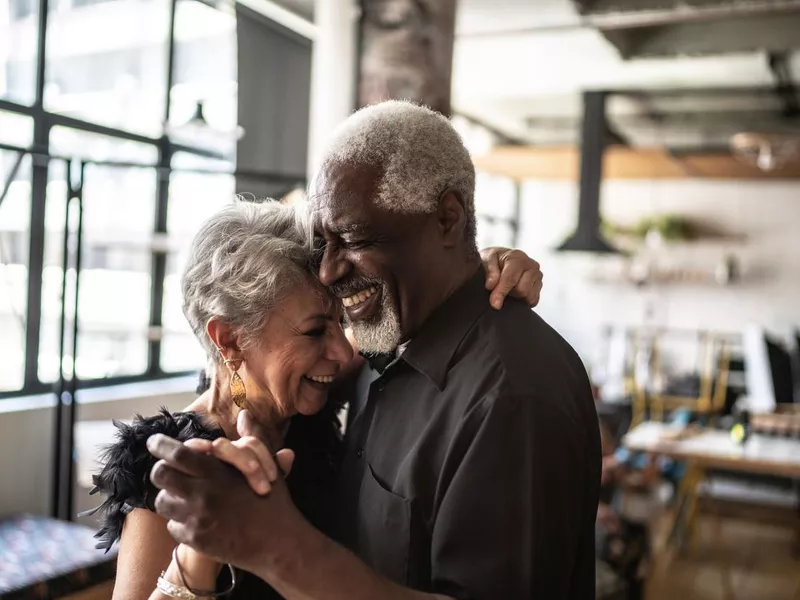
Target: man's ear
<point x="223" y="337"/>
<point x="452" y="218"/>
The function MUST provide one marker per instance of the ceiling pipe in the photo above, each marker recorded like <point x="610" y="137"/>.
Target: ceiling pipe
<point x="587" y="236"/>
<point x="686" y="14"/>
<point x="612" y="21"/>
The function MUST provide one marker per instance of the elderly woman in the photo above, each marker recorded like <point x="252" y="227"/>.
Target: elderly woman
<point x="275" y="346"/>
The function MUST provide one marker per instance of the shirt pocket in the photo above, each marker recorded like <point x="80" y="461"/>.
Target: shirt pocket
<point x="384" y="531"/>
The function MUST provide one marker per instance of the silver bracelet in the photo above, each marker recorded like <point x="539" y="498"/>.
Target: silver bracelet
<point x="168" y="588"/>
<point x="202" y="593"/>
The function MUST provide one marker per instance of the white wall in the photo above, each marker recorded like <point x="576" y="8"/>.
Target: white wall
<point x="767" y="213"/>
<point x="26" y="437"/>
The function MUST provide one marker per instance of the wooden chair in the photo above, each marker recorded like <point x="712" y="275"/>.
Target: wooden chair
<point x="714" y="370"/>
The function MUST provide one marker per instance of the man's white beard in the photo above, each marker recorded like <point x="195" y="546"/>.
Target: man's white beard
<point x="381" y="335"/>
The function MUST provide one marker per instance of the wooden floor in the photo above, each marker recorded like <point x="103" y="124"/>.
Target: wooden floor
<point x="98" y="592"/>
<point x="738" y="557"/>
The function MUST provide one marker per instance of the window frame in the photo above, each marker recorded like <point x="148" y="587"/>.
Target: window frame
<point x="43" y="122"/>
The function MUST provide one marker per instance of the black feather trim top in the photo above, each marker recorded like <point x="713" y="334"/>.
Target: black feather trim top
<point x="125" y="476"/>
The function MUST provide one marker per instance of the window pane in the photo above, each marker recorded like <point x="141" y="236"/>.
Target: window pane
<point x="107" y="63"/>
<point x="74" y="143"/>
<point x="193" y="198"/>
<point x="51" y="274"/>
<point x="113" y="311"/>
<point x="18" y="40"/>
<point x="206" y="72"/>
<point x="14" y="236"/>
<point x="15" y="129"/>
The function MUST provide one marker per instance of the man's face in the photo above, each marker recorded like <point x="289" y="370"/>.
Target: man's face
<point x="378" y="262"/>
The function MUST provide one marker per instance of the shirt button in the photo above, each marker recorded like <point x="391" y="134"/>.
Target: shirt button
<point x="381" y="386"/>
<point x="360" y="452"/>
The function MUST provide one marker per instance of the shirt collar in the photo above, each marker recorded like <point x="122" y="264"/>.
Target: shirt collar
<point x="433" y="346"/>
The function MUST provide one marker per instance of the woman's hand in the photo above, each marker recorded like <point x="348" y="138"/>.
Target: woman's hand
<point x="514" y="272"/>
<point x="249" y="455"/>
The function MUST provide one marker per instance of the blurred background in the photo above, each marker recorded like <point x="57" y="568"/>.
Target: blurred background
<point x="646" y="152"/>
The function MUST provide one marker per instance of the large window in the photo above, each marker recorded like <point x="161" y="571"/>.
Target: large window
<point x="194" y="197"/>
<point x="15" y="203"/>
<point x="18" y="41"/>
<point x="115" y="285"/>
<point x="205" y="74"/>
<point x="14" y="238"/>
<point x="107" y="63"/>
<point x="99" y="120"/>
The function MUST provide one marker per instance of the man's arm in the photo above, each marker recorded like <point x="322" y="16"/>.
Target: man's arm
<point x="210" y="507"/>
<point x="316" y="568"/>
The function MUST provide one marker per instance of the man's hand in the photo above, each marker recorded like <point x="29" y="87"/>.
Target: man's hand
<point x="248" y="454"/>
<point x="210" y="507"/>
<point x="514" y="272"/>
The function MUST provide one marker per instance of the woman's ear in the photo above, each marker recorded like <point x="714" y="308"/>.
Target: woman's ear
<point x="222" y="336"/>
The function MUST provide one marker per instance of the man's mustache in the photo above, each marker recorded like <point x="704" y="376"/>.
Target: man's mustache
<point x="343" y="289"/>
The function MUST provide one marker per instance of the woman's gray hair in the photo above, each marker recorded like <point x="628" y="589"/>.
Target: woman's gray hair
<point x="242" y="262"/>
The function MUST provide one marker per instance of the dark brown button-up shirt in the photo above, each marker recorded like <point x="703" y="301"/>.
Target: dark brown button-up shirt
<point x="472" y="465"/>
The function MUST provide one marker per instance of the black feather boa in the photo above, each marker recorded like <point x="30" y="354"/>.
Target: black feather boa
<point x="125" y="476"/>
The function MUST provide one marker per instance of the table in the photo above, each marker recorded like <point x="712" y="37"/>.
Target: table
<point x="713" y="449"/>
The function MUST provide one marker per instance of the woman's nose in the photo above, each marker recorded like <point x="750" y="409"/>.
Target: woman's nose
<point x="339" y="348"/>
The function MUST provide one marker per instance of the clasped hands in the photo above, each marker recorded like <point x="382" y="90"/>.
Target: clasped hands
<point x="213" y="509"/>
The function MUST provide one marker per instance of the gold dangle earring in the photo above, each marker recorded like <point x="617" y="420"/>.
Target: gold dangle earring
<point x="238" y="391"/>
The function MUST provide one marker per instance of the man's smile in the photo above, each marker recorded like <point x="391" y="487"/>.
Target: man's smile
<point x="358" y="297"/>
<point x="365" y="304"/>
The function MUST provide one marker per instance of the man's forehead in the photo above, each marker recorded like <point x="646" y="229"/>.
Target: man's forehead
<point x="340" y="217"/>
<point x="343" y="195"/>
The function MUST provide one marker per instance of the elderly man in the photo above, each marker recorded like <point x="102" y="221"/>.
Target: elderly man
<point x="472" y="460"/>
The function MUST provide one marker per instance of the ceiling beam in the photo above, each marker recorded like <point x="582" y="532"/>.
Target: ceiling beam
<point x="784" y="86"/>
<point x="283" y="16"/>
<point x="766" y="32"/>
<point x="502" y="137"/>
<point x="632" y="14"/>
<point x="562" y="164"/>
<point x="734" y="120"/>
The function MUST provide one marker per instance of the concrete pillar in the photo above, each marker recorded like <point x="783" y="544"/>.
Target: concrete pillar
<point x="366" y="51"/>
<point x="333" y="72"/>
<point x="406" y="51"/>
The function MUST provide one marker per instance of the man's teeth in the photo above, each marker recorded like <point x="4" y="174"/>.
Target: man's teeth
<point x="321" y="378"/>
<point x="359" y="297"/>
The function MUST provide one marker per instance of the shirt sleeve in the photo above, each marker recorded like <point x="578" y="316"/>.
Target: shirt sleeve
<point x="516" y="509"/>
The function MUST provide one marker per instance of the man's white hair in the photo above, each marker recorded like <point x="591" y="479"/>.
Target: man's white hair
<point x="420" y="153"/>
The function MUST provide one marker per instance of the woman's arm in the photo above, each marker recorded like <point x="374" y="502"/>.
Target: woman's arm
<point x="145" y="551"/>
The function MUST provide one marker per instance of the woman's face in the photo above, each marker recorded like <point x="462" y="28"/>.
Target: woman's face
<point x="300" y="352"/>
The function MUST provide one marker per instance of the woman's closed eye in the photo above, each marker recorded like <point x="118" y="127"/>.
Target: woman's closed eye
<point x="316" y="332"/>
